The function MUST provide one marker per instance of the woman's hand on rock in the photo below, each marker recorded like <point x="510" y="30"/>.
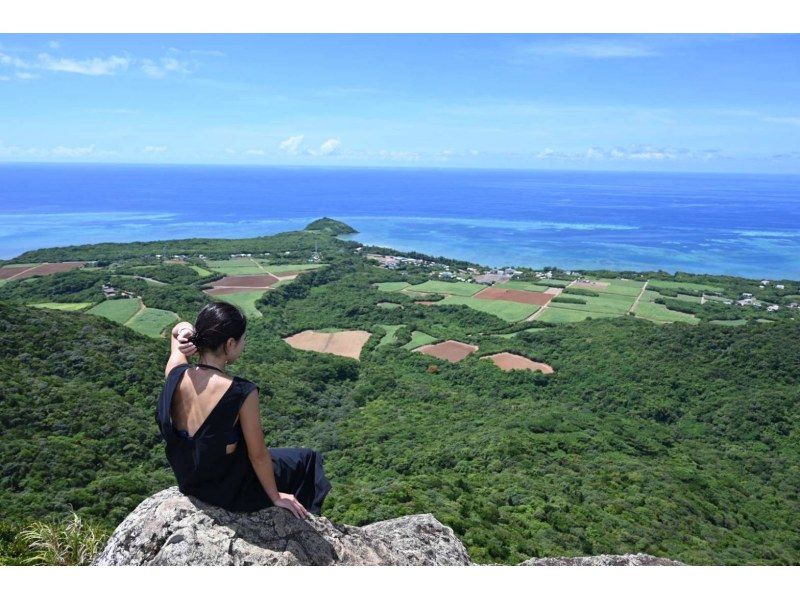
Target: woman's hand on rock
<point x="288" y="501"/>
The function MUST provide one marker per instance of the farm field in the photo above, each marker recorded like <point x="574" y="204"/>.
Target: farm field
<point x="452" y="351"/>
<point x="418" y="339"/>
<point x="522" y="285"/>
<point x="607" y="303"/>
<point x="201" y="271"/>
<point x="244" y="300"/>
<point x="391" y="332"/>
<point x="656" y="311"/>
<point x="61" y="306"/>
<point x="694" y="286"/>
<point x="620" y="286"/>
<point x="510" y="311"/>
<point x="388" y="305"/>
<point x="463" y="289"/>
<point x="285" y="269"/>
<point x="511" y="361"/>
<point x="151" y="322"/>
<point x="391" y="286"/>
<point x="558" y="315"/>
<point x="345" y="343"/>
<point x="117" y="310"/>
<point x="235" y="267"/>
<point x="728" y="322"/>
<point x="22" y="271"/>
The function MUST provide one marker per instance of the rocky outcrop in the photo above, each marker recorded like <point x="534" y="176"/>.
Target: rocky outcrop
<point x="603" y="560"/>
<point x="170" y="528"/>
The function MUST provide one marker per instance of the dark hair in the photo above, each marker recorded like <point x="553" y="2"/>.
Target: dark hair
<point x="216" y="323"/>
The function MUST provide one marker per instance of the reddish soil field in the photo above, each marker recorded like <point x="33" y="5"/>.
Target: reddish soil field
<point x="528" y="297"/>
<point x="40" y="270"/>
<point x="347" y="343"/>
<point x="509" y="361"/>
<point x="251" y="282"/>
<point x="452" y="351"/>
<point x="553" y="291"/>
<point x="590" y="285"/>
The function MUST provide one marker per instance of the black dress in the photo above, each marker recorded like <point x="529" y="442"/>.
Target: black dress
<point x="204" y="469"/>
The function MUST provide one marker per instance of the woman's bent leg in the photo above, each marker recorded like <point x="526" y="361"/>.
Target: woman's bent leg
<point x="299" y="471"/>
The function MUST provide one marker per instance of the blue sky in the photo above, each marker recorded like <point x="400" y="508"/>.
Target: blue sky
<point x="615" y="102"/>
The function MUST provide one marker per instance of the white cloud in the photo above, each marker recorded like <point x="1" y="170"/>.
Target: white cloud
<point x="72" y="152"/>
<point x="783" y="120"/>
<point x="154" y="149"/>
<point x="591" y="49"/>
<point x="26" y="76"/>
<point x="254" y="152"/>
<point x="330" y="146"/>
<point x="89" y="66"/>
<point x="292" y="145"/>
<point x="166" y="66"/>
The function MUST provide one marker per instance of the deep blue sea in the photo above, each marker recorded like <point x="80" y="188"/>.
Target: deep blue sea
<point x="747" y="225"/>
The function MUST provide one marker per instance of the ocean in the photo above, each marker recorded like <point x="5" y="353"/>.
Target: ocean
<point x="743" y="225"/>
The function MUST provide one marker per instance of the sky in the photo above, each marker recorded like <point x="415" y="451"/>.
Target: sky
<point x="708" y="103"/>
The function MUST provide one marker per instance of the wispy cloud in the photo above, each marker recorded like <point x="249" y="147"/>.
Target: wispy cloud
<point x="154" y="149"/>
<point x="330" y="146"/>
<point x="90" y="66"/>
<point x="783" y="120"/>
<point x="291" y="145"/>
<point x="637" y="153"/>
<point x="165" y="66"/>
<point x="254" y="152"/>
<point x="590" y="48"/>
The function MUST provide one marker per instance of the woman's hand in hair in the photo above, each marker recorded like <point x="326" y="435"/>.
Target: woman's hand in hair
<point x="185" y="346"/>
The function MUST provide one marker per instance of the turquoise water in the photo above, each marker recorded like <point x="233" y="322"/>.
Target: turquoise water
<point x="747" y="225"/>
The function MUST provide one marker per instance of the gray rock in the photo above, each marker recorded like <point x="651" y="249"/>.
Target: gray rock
<point x="603" y="560"/>
<point x="170" y="528"/>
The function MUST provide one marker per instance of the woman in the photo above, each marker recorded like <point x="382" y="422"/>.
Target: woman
<point x="212" y="427"/>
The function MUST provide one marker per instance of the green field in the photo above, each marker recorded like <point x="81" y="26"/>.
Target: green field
<point x="728" y="322"/>
<point x="621" y="286"/>
<point x="61" y="306"/>
<point x="418" y="339"/>
<point x="117" y="310"/>
<point x="510" y="311"/>
<point x="464" y="289"/>
<point x="246" y="301"/>
<point x="279" y="268"/>
<point x="235" y="267"/>
<point x="201" y="271"/>
<point x="656" y="311"/>
<point x="387" y="305"/>
<point x="557" y="315"/>
<point x="693" y="286"/>
<point x="522" y="285"/>
<point x="391" y="332"/>
<point x="391" y="286"/>
<point x="151" y="321"/>
<point x="607" y="303"/>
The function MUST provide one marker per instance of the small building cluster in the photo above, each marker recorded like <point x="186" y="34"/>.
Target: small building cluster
<point x="111" y="292"/>
<point x="392" y="262"/>
<point x="496" y="275"/>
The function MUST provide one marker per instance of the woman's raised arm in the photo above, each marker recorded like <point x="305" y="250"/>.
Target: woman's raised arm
<point x="180" y="347"/>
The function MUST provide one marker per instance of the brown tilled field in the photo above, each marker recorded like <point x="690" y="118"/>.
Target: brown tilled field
<point x="527" y="297"/>
<point x="347" y="343"/>
<point x="8" y="273"/>
<point x="452" y="351"/>
<point x="509" y="361"/>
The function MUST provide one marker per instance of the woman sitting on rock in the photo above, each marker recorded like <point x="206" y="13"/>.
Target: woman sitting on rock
<point x="211" y="423"/>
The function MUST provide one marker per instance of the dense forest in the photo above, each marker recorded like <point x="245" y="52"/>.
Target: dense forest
<point x="676" y="440"/>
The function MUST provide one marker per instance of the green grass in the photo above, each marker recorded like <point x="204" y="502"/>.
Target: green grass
<point x="279" y="268"/>
<point x="606" y="303"/>
<point x="522" y="285"/>
<point x="694" y="286"/>
<point x="418" y="339"/>
<point x="61" y="306"/>
<point x="151" y="321"/>
<point x="201" y="271"/>
<point x="391" y="286"/>
<point x="557" y="315"/>
<point x="513" y="334"/>
<point x="387" y="305"/>
<point x="656" y="311"/>
<point x="464" y="289"/>
<point x="117" y="310"/>
<point x="235" y="267"/>
<point x="717" y="298"/>
<point x="728" y="322"/>
<point x="391" y="332"/>
<point x="621" y="286"/>
<point x="20" y="265"/>
<point x="245" y="300"/>
<point x="510" y="311"/>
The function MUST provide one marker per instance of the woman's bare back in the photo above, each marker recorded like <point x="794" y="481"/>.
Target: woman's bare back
<point x="198" y="393"/>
